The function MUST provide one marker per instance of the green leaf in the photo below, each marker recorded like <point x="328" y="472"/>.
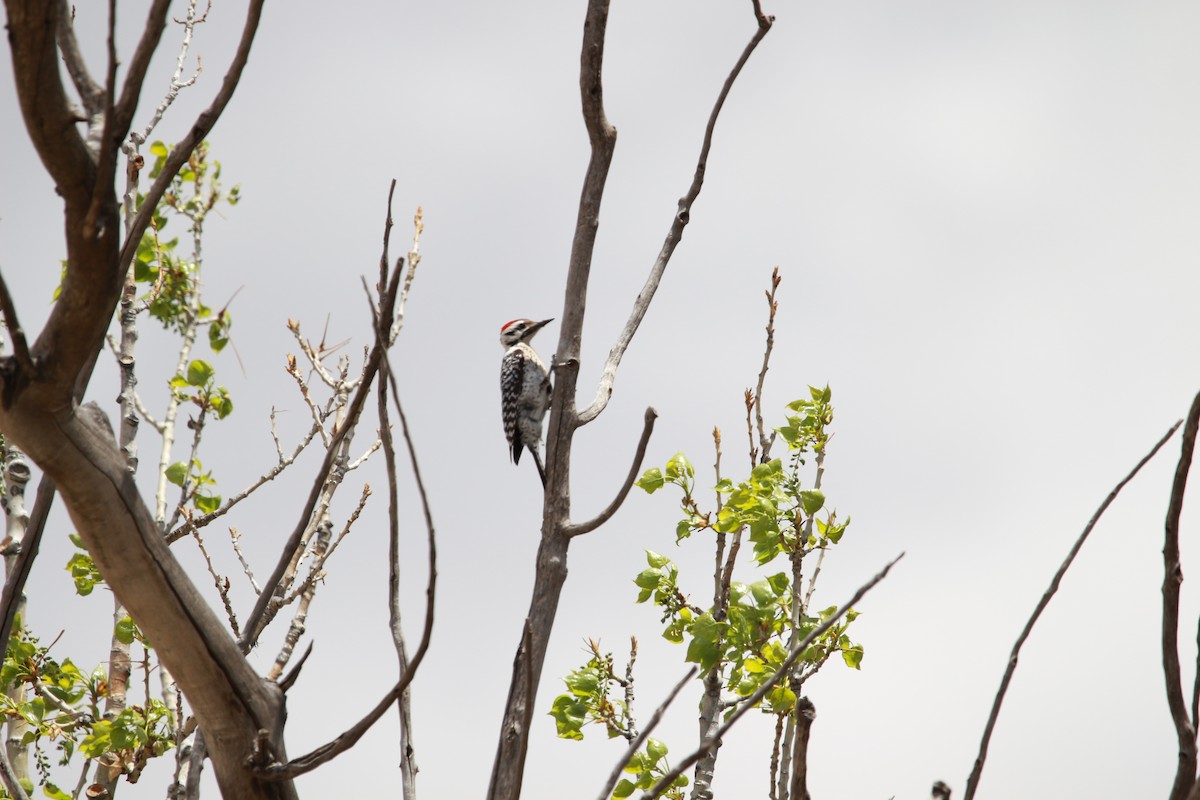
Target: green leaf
<point x="199" y="372"/>
<point x="780" y="583"/>
<point x="569" y="715"/>
<point x="656" y="560"/>
<point x="53" y="792"/>
<point x="158" y="150"/>
<point x="679" y="467"/>
<point x="853" y="656"/>
<point x="624" y="789"/>
<point x="207" y="504"/>
<point x="656" y="749"/>
<point x="781" y="699"/>
<point x="811" y="501"/>
<point x="221" y="402"/>
<point x="652" y="480"/>
<point x="648" y="579"/>
<point x="125" y="631"/>
<point x="177" y="473"/>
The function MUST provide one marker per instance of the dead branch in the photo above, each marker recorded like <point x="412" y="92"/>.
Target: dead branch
<point x="257" y="616"/>
<point x="977" y="770"/>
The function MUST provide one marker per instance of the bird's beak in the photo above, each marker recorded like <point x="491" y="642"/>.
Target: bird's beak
<point x="543" y="324"/>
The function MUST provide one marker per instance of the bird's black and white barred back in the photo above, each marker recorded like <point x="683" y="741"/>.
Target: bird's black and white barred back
<point x="524" y="390"/>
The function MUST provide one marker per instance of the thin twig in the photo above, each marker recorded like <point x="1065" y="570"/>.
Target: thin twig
<point x="773" y="304"/>
<point x="638" y="456"/>
<point x="977" y="770"/>
<point x="254" y="621"/>
<point x="89" y="91"/>
<point x="752" y="701"/>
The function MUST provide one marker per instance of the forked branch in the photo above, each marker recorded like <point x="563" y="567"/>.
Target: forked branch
<point x="683" y="215"/>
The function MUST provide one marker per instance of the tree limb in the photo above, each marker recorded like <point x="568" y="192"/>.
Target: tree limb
<point x="90" y="92"/>
<point x="16" y="333"/>
<point x="977" y="770"/>
<point x="674" y="234"/>
<point x="1185" y="730"/>
<point x="638" y="456"/>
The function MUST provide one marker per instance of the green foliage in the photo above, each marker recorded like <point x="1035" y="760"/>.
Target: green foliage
<point x="196" y="483"/>
<point x="782" y="516"/>
<point x="83" y="569"/>
<point x="743" y="640"/>
<point x="647" y="768"/>
<point x="589" y="699"/>
<point x="62" y="706"/>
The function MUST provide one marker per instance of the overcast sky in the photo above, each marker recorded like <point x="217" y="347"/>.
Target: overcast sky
<point x="984" y="214"/>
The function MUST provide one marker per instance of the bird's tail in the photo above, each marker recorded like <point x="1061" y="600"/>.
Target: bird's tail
<point x="541" y="468"/>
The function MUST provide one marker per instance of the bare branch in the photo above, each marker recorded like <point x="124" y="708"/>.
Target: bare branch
<point x="16" y="333"/>
<point x="135" y="71"/>
<point x="270" y="475"/>
<point x="255" y="620"/>
<point x="408" y="766"/>
<point x="682" y="216"/>
<point x="636" y="744"/>
<point x="638" y="456"/>
<point x="219" y="581"/>
<point x="14" y="585"/>
<point x="289" y="680"/>
<point x="711" y="742"/>
<point x="977" y="770"/>
<point x="90" y="92"/>
<point x="349" y="738"/>
<point x="189" y="22"/>
<point x="1185" y="729"/>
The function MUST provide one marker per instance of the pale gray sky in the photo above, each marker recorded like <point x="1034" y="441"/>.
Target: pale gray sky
<point x="984" y="215"/>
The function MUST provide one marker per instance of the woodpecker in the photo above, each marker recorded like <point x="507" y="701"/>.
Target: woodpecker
<point x="524" y="390"/>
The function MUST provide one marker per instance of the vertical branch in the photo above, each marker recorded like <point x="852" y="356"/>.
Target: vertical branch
<point x="805" y="714"/>
<point x="1185" y="731"/>
<point x="565" y="419"/>
<point x="16" y="477"/>
<point x="773" y="306"/>
<point x="408" y="765"/>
